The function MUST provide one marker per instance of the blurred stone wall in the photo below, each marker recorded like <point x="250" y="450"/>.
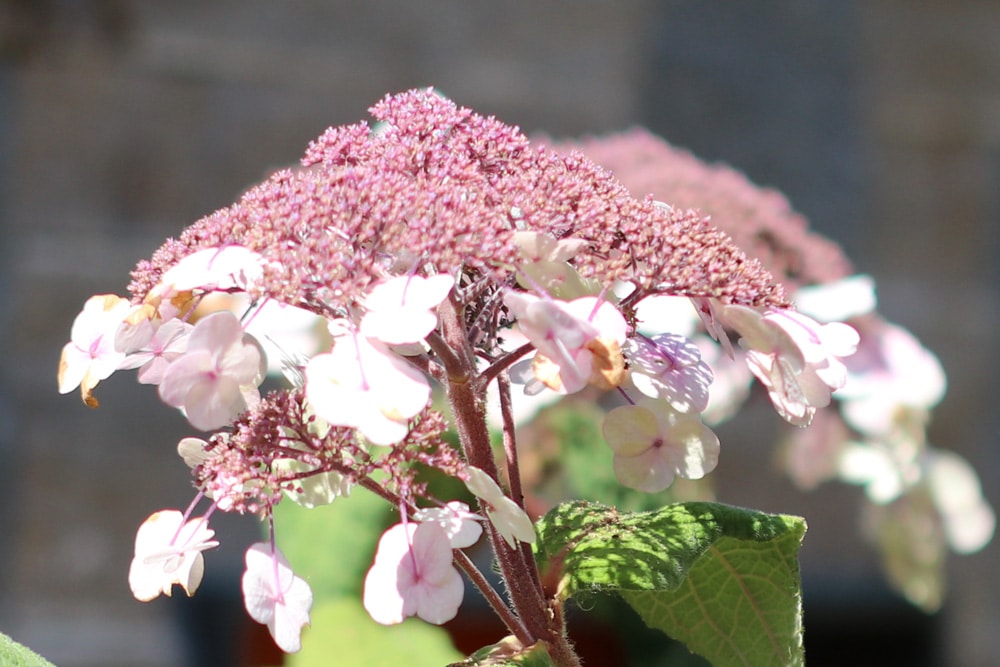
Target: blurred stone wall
<point x="123" y="120"/>
<point x="931" y="91"/>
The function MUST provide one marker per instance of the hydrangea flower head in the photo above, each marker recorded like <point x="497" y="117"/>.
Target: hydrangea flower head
<point x="443" y="184"/>
<point x="424" y="245"/>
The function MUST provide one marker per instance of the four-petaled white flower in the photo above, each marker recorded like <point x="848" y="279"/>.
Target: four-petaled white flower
<point x="796" y="358"/>
<point x="413" y="575"/>
<point x="363" y="385"/>
<point x="91" y="355"/>
<point x="217" y="376"/>
<point x="275" y="596"/>
<point x="653" y="443"/>
<point x="168" y="552"/>
<point x="670" y="367"/>
<point x="507" y="517"/>
<point x="401" y="309"/>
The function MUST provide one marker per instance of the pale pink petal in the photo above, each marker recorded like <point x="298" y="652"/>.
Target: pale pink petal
<point x="182" y="375"/>
<point x="670" y="367"/>
<point x="507" y="517"/>
<point x="365" y="386"/>
<point x="167" y="553"/>
<point x="400" y="309"/>
<point x="412" y="575"/>
<point x="648" y="471"/>
<point x="274" y="596"/>
<point x="630" y="430"/>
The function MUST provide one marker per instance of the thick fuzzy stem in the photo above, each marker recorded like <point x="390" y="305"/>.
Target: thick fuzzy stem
<point x="467" y="398"/>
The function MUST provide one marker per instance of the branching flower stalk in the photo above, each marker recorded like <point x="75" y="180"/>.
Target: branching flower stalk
<point x="438" y="250"/>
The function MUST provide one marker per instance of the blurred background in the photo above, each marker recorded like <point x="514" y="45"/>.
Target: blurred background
<point x="121" y="121"/>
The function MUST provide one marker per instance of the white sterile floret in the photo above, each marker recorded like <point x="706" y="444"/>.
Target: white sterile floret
<point x="660" y="313"/>
<point x="507" y="517"/>
<point x="578" y="342"/>
<point x="168" y="552"/>
<point x="796" y="358"/>
<point x="287" y="334"/>
<point x="540" y="247"/>
<point x="225" y="268"/>
<point x="413" y="575"/>
<point x="363" y="385"/>
<point x="653" y="444"/>
<point x="669" y="367"/>
<point x="217" y="376"/>
<point x="461" y="525"/>
<point x="545" y="264"/>
<point x="275" y="596"/>
<point x="401" y="309"/>
<point x="91" y="355"/>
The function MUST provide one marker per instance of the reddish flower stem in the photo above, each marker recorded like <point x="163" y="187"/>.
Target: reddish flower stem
<point x="467" y="399"/>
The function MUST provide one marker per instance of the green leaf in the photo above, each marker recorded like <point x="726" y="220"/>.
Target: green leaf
<point x="342" y="633"/>
<point x="508" y="652"/>
<point x="723" y="580"/>
<point x="13" y="654"/>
